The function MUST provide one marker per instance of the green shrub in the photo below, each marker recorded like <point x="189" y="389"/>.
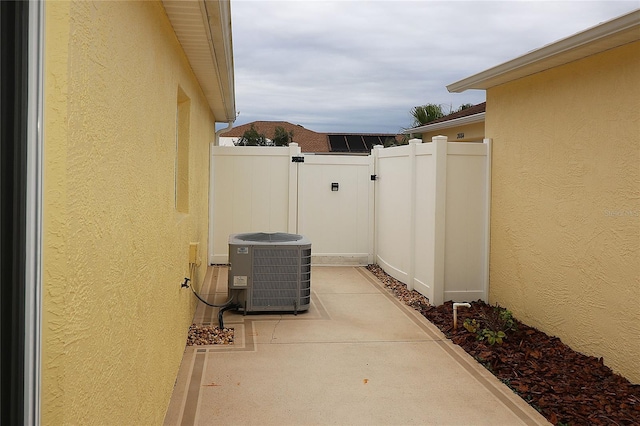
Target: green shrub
<point x="492" y="327"/>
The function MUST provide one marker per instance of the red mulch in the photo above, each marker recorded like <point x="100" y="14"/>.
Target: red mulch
<point x="567" y="387"/>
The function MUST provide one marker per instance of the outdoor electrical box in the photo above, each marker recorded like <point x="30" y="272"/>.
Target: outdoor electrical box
<point x="193" y="253"/>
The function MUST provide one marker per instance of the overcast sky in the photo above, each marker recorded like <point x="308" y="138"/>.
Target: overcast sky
<point x="359" y="66"/>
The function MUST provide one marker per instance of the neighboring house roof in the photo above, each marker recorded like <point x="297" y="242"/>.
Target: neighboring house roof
<point x="474" y="114"/>
<point x="311" y="141"/>
<point x="476" y="109"/>
<point x="611" y="34"/>
<point x="308" y="140"/>
<point x="203" y="29"/>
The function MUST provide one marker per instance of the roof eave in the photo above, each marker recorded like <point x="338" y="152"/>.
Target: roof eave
<point x="616" y="32"/>
<point x="469" y="119"/>
<point x="205" y="26"/>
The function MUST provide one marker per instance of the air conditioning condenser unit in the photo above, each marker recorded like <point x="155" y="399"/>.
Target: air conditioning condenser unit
<point x="270" y="272"/>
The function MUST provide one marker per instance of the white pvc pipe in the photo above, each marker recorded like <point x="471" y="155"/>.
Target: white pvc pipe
<point x="455" y="312"/>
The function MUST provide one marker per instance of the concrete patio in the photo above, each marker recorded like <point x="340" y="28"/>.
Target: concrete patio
<point x="358" y="356"/>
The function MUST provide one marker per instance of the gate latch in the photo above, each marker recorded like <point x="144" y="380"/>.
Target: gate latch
<point x="374" y="177"/>
<point x="297" y="159"/>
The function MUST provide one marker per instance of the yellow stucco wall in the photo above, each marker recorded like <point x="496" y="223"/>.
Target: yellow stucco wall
<point x="473" y="132"/>
<point x="565" y="211"/>
<point x="115" y="249"/>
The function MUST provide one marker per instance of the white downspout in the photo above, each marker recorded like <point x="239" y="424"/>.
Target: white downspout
<point x="216" y="139"/>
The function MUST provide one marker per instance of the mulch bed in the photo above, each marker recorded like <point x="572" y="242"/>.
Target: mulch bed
<point x="565" y="386"/>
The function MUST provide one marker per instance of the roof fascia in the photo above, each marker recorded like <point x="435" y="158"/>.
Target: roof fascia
<point x="469" y="119"/>
<point x="622" y="30"/>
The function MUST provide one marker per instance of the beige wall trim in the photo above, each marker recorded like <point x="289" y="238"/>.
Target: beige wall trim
<point x="616" y="32"/>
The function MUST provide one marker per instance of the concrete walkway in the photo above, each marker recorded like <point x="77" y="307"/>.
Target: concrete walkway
<point x="357" y="357"/>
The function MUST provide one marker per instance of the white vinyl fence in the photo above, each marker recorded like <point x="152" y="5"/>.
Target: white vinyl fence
<point x="253" y="189"/>
<point x="432" y="217"/>
<point x="424" y="219"/>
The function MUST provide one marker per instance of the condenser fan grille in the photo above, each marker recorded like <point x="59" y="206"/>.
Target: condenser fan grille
<point x="276" y="237"/>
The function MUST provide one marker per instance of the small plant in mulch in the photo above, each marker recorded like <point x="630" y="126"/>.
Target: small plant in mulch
<point x="491" y="326"/>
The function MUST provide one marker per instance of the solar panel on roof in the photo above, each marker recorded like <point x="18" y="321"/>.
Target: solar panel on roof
<point x="338" y="143"/>
<point x="371" y="141"/>
<point x="356" y="144"/>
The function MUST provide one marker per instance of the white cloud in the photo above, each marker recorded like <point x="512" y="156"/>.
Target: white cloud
<point x="360" y="66"/>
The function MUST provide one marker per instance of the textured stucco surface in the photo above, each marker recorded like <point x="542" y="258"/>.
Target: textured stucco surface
<point x="565" y="213"/>
<point x="473" y="132"/>
<point x="115" y="248"/>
